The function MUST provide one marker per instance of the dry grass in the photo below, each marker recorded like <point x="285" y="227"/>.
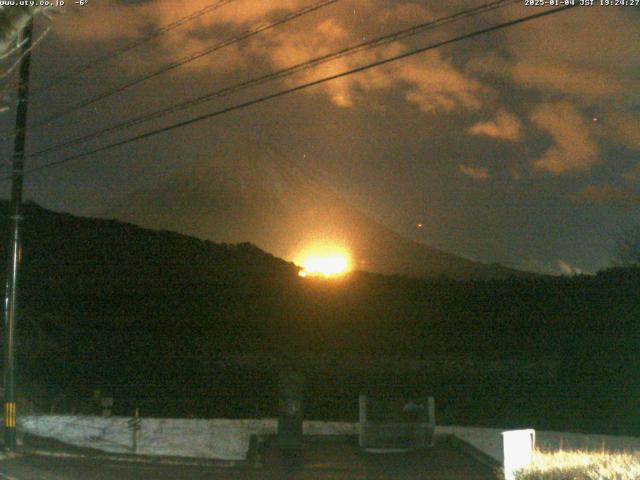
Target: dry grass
<point x="581" y="465"/>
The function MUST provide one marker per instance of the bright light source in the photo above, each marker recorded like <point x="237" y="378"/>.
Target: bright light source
<point x="517" y="447"/>
<point x="327" y="266"/>
<point x="326" y="262"/>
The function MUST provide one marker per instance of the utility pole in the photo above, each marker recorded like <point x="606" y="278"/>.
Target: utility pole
<point x="15" y="246"/>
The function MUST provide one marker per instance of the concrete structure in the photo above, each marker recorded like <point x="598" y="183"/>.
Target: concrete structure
<point x="409" y="425"/>
<point x="229" y="439"/>
<point x="220" y="439"/>
<point x="290" y="409"/>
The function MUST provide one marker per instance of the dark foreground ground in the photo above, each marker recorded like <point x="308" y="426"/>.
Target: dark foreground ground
<point x="321" y="461"/>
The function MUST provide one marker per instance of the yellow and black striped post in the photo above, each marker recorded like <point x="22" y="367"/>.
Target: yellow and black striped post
<point x="9" y="415"/>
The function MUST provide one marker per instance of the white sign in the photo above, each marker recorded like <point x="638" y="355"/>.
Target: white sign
<point x="517" y="447"/>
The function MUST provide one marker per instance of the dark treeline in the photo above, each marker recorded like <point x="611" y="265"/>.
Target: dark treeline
<point x="181" y="326"/>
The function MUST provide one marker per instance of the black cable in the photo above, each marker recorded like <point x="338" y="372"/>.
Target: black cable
<point x="178" y="63"/>
<point x="141" y="41"/>
<point x="282" y="93"/>
<point x="363" y="46"/>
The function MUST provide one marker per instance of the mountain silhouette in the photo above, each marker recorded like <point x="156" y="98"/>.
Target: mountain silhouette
<point x="254" y="193"/>
<point x="181" y="326"/>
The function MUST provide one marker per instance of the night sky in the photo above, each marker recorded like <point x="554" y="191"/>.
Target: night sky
<point x="519" y="146"/>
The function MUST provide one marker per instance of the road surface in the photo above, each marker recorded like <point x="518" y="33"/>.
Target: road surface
<point x="321" y="462"/>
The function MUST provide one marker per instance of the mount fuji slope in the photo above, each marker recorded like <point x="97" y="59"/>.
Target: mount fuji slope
<point x="254" y="193"/>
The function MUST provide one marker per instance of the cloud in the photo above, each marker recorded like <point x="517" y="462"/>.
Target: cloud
<point x="600" y="62"/>
<point x="633" y="175"/>
<point x="574" y="80"/>
<point x="506" y="126"/>
<point x="609" y="195"/>
<point x="595" y="70"/>
<point x="573" y="150"/>
<point x="435" y="85"/>
<point x="429" y="81"/>
<point x="477" y="173"/>
<point x="623" y="126"/>
<point x="552" y="267"/>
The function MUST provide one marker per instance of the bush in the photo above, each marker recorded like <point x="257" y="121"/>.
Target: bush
<point x="581" y="465"/>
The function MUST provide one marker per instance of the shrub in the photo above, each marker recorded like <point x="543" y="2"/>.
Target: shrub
<point x="581" y="465"/>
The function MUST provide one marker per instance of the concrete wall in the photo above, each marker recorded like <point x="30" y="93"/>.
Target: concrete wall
<point x="200" y="438"/>
<point x="229" y="439"/>
<point x="487" y="440"/>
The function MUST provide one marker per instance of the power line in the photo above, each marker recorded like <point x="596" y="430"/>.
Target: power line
<point x="135" y="44"/>
<point x="313" y="83"/>
<point x="291" y="90"/>
<point x="190" y="58"/>
<point x="360" y="47"/>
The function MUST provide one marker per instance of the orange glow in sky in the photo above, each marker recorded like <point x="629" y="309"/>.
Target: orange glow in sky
<point x="325" y="261"/>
